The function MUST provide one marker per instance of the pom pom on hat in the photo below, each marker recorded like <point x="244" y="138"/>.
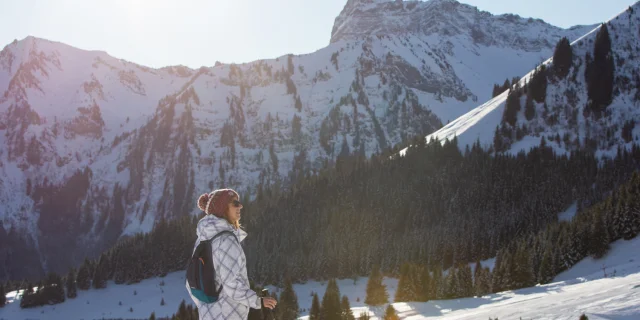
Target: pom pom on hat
<point x="216" y="202"/>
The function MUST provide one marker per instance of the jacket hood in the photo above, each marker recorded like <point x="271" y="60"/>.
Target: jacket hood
<point x="211" y="225"/>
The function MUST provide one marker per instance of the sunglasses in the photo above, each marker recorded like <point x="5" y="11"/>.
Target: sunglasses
<point x="236" y="203"/>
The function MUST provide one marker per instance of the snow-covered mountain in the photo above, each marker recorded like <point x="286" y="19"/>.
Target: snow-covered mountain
<point x="564" y="118"/>
<point x="95" y="147"/>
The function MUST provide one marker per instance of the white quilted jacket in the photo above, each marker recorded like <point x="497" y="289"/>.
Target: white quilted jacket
<point x="231" y="270"/>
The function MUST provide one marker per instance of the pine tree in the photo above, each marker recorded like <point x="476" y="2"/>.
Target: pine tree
<point x="537" y="87"/>
<point x="100" y="274"/>
<point x="484" y="282"/>
<point x="437" y="287"/>
<point x="403" y="293"/>
<point x="183" y="312"/>
<point x="425" y="293"/>
<point x="28" y="297"/>
<point x="599" y="237"/>
<point x="529" y="108"/>
<point x="3" y="297"/>
<point x="84" y="278"/>
<point x="153" y="316"/>
<point x="523" y="276"/>
<point x="345" y="309"/>
<point x="450" y="284"/>
<point x="465" y="281"/>
<point x="600" y="71"/>
<point x="72" y="290"/>
<point x="288" y="304"/>
<point x="562" y="58"/>
<point x="498" y="271"/>
<point x="511" y="108"/>
<point x="376" y="291"/>
<point x="314" y="313"/>
<point x="53" y="291"/>
<point x="390" y="313"/>
<point x="330" y="308"/>
<point x="547" y="271"/>
<point x="477" y="270"/>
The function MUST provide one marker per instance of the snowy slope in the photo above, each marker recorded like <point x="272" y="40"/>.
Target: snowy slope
<point x="126" y="144"/>
<point x="582" y="289"/>
<point x="565" y="96"/>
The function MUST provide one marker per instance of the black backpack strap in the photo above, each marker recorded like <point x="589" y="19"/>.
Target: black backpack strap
<point x="199" y="249"/>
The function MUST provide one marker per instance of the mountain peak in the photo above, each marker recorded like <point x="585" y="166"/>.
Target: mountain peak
<point x="364" y="18"/>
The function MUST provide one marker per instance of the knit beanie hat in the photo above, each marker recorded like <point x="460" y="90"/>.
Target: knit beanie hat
<point x="216" y="202"/>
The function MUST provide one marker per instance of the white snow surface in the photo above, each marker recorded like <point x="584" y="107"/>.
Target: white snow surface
<point x="612" y="294"/>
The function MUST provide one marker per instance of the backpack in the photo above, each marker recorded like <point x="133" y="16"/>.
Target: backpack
<point x="201" y="274"/>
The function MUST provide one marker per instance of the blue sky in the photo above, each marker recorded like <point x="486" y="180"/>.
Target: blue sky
<point x="194" y="33"/>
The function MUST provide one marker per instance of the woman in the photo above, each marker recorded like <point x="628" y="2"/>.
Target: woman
<point x="222" y="208"/>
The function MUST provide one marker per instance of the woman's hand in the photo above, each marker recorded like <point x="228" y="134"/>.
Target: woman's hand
<point x="269" y="302"/>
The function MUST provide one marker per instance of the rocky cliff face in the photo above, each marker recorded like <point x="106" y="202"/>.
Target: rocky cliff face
<point x="94" y="148"/>
<point x="446" y="19"/>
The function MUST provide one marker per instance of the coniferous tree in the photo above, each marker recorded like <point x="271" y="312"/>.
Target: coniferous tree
<point x="512" y="107"/>
<point x="288" y="304"/>
<point x="153" y="316"/>
<point x="523" y="276"/>
<point x="72" y="289"/>
<point x="537" y="87"/>
<point x="529" y="108"/>
<point x="183" y="312"/>
<point x="465" y="281"/>
<point x="496" y="90"/>
<point x="330" y="308"/>
<point x="99" y="280"/>
<point x="449" y="284"/>
<point x="376" y="291"/>
<point x="599" y="237"/>
<point x="3" y="297"/>
<point x="498" y="271"/>
<point x="53" y="290"/>
<point x="84" y="277"/>
<point x="314" y="313"/>
<point x="403" y="293"/>
<point x="437" y="287"/>
<point x="425" y="293"/>
<point x="483" y="284"/>
<point x="600" y="71"/>
<point x="345" y="309"/>
<point x="364" y="316"/>
<point x="390" y="313"/>
<point x="477" y="270"/>
<point x="28" y="297"/>
<point x="547" y="271"/>
<point x="506" y="85"/>
<point x="562" y="58"/>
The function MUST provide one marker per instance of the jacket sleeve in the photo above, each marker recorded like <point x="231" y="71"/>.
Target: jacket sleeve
<point x="230" y="264"/>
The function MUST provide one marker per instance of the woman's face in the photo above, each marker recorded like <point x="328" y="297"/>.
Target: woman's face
<point x="234" y="211"/>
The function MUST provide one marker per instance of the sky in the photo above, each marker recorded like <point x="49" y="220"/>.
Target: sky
<point x="195" y="33"/>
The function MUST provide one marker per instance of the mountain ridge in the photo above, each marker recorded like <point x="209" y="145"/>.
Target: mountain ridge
<point x="479" y="124"/>
<point x="95" y="148"/>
